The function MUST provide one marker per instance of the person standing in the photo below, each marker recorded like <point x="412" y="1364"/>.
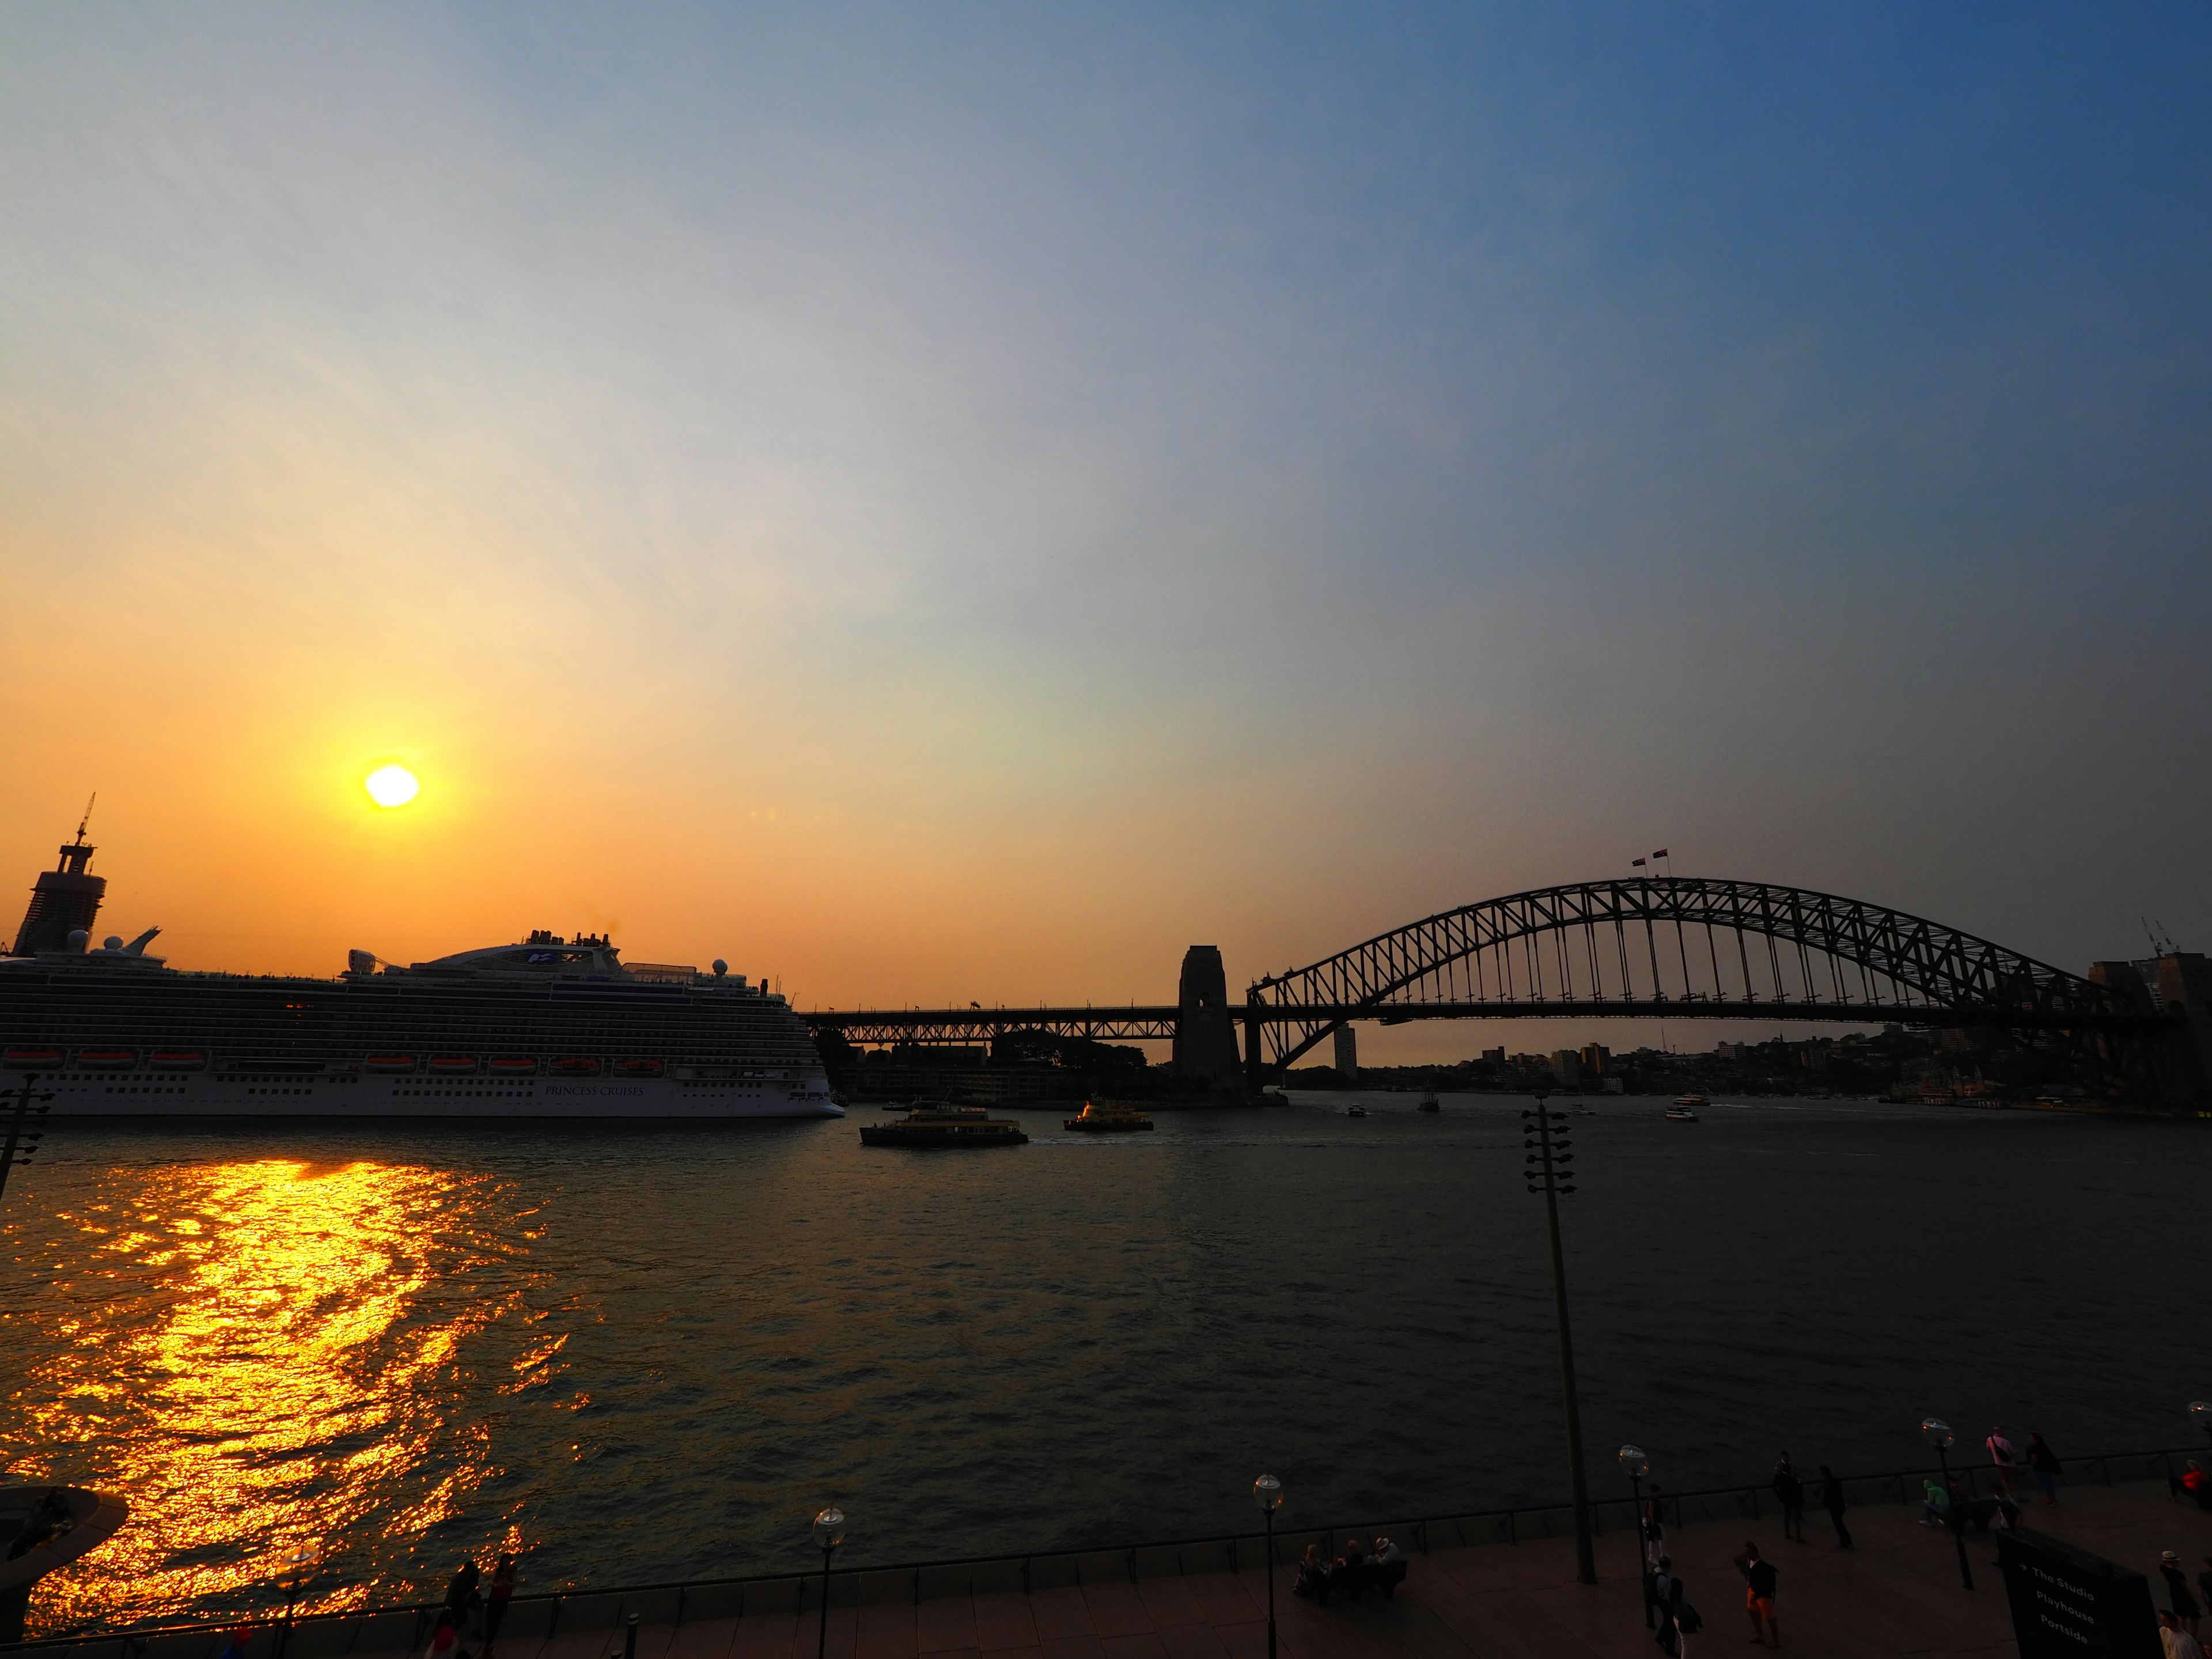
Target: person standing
<point x="1789" y="1492"/>
<point x="1832" y="1500"/>
<point x="2043" y="1464"/>
<point x="2179" y="1643"/>
<point x="502" y="1592"/>
<point x="1666" y="1594"/>
<point x="2179" y="1595"/>
<point x="1654" y="1529"/>
<point x="1759" y="1585"/>
<point x="2001" y="1458"/>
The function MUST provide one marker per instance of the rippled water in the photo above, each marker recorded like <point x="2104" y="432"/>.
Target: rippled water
<point x="645" y="1354"/>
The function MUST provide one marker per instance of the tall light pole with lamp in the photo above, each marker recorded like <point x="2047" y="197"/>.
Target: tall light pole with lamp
<point x="1938" y="1434"/>
<point x="1548" y="1153"/>
<point x="829" y="1533"/>
<point x="1268" y="1493"/>
<point x="2200" y="1413"/>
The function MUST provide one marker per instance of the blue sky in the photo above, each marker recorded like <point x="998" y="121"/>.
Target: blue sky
<point x="1005" y="493"/>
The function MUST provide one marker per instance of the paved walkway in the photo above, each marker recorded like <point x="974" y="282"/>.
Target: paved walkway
<point x="1897" y="1593"/>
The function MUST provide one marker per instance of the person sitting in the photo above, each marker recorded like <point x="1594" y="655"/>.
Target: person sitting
<point x="1936" y="1508"/>
<point x="1347" y="1577"/>
<point x="49" y="1518"/>
<point x="2195" y="1482"/>
<point x="1312" y="1576"/>
<point x="1386" y="1568"/>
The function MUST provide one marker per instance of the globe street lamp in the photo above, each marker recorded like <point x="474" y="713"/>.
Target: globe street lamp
<point x="1637" y="1466"/>
<point x="294" y="1568"/>
<point x="2201" y="1412"/>
<point x="1938" y="1434"/>
<point x="829" y="1533"/>
<point x="1268" y="1493"/>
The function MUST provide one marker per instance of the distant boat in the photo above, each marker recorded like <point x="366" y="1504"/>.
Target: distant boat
<point x="1690" y="1100"/>
<point x="1679" y="1112"/>
<point x="1100" y="1117"/>
<point x="945" y="1125"/>
<point x="1355" y="1111"/>
<point x="1429" y="1102"/>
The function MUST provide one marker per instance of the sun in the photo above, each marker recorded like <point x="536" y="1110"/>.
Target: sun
<point x="391" y="786"/>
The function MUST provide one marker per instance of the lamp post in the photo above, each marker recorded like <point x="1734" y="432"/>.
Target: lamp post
<point x="1633" y="1460"/>
<point x="1268" y="1493"/>
<point x="1938" y="1434"/>
<point x="829" y="1533"/>
<point x="1548" y="1150"/>
<point x="22" y="1138"/>
<point x="294" y="1568"/>
<point x="2200" y="1412"/>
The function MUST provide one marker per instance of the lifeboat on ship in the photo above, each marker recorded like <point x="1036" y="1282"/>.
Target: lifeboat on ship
<point x="512" y="1066"/>
<point x="21" y="1059"/>
<point x="178" y="1060"/>
<point x="390" y="1062"/>
<point x="107" y="1059"/>
<point x="577" y="1066"/>
<point x="452" y="1065"/>
<point x="638" y="1068"/>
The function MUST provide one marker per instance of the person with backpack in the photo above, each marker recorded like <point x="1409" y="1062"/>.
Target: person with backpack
<point x="1789" y="1492"/>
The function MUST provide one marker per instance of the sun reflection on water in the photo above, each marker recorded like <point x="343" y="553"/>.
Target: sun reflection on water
<point x="307" y="1324"/>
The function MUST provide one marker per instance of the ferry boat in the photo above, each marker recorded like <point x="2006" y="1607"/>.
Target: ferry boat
<point x="945" y="1125"/>
<point x="1106" y="1117"/>
<point x="1429" y="1102"/>
<point x="545" y="1028"/>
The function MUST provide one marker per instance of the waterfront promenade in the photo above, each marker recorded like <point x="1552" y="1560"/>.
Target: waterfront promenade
<point x="1897" y="1593"/>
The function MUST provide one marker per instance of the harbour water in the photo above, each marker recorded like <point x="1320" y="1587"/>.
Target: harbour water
<point x="644" y="1354"/>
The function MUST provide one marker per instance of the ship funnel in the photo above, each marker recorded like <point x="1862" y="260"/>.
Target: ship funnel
<point x="66" y="902"/>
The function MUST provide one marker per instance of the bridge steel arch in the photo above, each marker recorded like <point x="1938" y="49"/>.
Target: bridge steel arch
<point x="1652" y="946"/>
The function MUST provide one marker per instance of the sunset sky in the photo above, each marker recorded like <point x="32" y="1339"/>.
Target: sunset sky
<point x="939" y="502"/>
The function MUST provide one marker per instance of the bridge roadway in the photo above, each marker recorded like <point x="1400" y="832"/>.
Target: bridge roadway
<point x="1139" y="1022"/>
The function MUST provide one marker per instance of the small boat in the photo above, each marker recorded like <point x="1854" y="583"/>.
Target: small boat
<point x="1106" y="1117"/>
<point x="1429" y="1102"/>
<point x="107" y="1059"/>
<point x="1690" y="1100"/>
<point x="640" y="1068"/>
<point x="577" y="1066"/>
<point x="1355" y="1111"/>
<point x="452" y="1064"/>
<point x="390" y="1062"/>
<point x="21" y="1059"/>
<point x="945" y="1125"/>
<point x="512" y="1066"/>
<point x="1679" y="1112"/>
<point x="177" y="1059"/>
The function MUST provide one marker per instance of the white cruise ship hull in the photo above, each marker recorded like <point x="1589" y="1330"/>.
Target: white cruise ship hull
<point x="361" y="1098"/>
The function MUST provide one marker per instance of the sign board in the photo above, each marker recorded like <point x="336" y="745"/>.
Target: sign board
<point x="2068" y="1601"/>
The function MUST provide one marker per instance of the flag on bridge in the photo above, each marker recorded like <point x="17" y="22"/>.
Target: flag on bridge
<point x="1636" y="863"/>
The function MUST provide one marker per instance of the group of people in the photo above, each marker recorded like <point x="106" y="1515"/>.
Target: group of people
<point x="468" y="1624"/>
<point x="1677" y="1617"/>
<point x="50" y="1517"/>
<point x="2178" y="1625"/>
<point x="1351" y="1574"/>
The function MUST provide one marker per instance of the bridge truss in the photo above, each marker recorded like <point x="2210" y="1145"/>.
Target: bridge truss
<point x="1687" y="947"/>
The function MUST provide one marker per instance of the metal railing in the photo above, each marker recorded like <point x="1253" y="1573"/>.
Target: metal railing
<point x="406" y="1626"/>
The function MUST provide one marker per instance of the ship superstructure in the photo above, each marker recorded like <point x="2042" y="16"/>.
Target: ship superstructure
<point x="548" y="1027"/>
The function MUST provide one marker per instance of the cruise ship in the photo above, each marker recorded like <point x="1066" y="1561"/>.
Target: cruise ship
<point x="547" y="1028"/>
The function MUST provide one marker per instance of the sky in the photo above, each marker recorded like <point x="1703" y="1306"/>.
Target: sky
<point x="961" y="502"/>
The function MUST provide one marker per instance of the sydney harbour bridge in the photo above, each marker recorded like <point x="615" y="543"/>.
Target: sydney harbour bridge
<point x="1651" y="948"/>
